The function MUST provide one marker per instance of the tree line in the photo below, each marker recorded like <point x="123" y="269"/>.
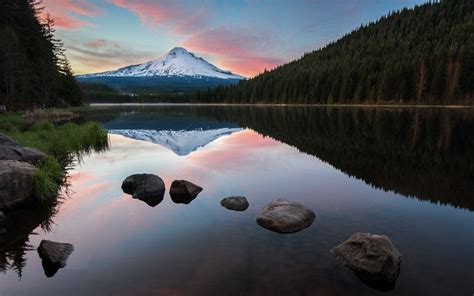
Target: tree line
<point x="423" y="55"/>
<point x="34" y="70"/>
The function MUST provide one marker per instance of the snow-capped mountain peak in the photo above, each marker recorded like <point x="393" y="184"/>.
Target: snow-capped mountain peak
<point x="177" y="62"/>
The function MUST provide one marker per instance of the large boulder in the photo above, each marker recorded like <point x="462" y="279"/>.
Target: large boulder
<point x="372" y="257"/>
<point x="146" y="187"/>
<point x="235" y="203"/>
<point x="19" y="153"/>
<point x="284" y="216"/>
<point x="54" y="255"/>
<point x="16" y="180"/>
<point x="183" y="191"/>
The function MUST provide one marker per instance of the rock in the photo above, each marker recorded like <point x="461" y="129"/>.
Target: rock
<point x="235" y="203"/>
<point x="16" y="179"/>
<point x="3" y="218"/>
<point x="19" y="153"/>
<point x="54" y="255"/>
<point x="373" y="258"/>
<point x="146" y="187"/>
<point x="7" y="141"/>
<point x="183" y="191"/>
<point x="283" y="216"/>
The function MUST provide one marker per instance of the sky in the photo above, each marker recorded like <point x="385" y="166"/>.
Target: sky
<point x="245" y="37"/>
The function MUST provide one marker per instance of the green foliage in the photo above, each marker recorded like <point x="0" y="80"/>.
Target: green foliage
<point x="34" y="70"/>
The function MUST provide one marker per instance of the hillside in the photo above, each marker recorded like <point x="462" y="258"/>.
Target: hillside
<point x="423" y="55"/>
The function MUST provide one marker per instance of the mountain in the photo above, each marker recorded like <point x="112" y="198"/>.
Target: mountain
<point x="177" y="62"/>
<point x="423" y="55"/>
<point x="177" y="71"/>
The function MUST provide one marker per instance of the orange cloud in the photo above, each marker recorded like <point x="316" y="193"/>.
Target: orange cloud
<point x="236" y="50"/>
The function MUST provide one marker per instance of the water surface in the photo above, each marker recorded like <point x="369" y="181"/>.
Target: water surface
<point x="406" y="173"/>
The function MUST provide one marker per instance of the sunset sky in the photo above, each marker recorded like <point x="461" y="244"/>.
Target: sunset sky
<point x="242" y="36"/>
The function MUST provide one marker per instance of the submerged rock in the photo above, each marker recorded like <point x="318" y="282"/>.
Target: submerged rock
<point x="146" y="187"/>
<point x="284" y="216"/>
<point x="373" y="258"/>
<point x="183" y="191"/>
<point x="54" y="255"/>
<point x="19" y="153"/>
<point x="235" y="203"/>
<point x="16" y="179"/>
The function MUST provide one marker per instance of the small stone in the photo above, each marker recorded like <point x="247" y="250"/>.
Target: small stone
<point x="55" y="252"/>
<point x="235" y="203"/>
<point x="183" y="191"/>
<point x="146" y="187"/>
<point x="283" y="216"/>
<point x="54" y="255"/>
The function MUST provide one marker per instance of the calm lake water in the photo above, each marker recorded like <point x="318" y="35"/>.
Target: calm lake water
<point x="406" y="173"/>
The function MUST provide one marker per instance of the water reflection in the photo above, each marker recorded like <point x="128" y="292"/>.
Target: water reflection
<point x="422" y="153"/>
<point x="200" y="249"/>
<point x="15" y="242"/>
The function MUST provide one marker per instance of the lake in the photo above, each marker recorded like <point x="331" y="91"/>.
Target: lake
<point x="407" y="173"/>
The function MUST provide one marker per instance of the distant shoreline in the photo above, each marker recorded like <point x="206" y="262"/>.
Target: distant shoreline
<point x="287" y="105"/>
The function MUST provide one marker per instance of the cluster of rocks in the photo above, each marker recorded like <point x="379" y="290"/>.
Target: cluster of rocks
<point x="373" y="258"/>
<point x="151" y="189"/>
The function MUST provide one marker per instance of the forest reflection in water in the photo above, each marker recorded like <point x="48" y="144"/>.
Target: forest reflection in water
<point x="426" y="153"/>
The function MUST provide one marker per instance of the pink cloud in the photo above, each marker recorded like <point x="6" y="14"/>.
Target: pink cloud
<point x="64" y="12"/>
<point x="181" y="18"/>
<point x="237" y="50"/>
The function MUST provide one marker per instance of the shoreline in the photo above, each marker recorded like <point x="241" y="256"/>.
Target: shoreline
<point x="285" y="105"/>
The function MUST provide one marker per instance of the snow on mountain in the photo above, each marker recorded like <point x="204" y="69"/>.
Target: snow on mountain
<point x="177" y="62"/>
<point x="181" y="142"/>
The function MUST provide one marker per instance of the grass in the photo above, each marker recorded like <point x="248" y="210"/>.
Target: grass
<point x="47" y="179"/>
<point x="63" y="143"/>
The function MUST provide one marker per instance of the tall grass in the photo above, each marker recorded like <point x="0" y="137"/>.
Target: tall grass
<point x="63" y="143"/>
<point x="47" y="179"/>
